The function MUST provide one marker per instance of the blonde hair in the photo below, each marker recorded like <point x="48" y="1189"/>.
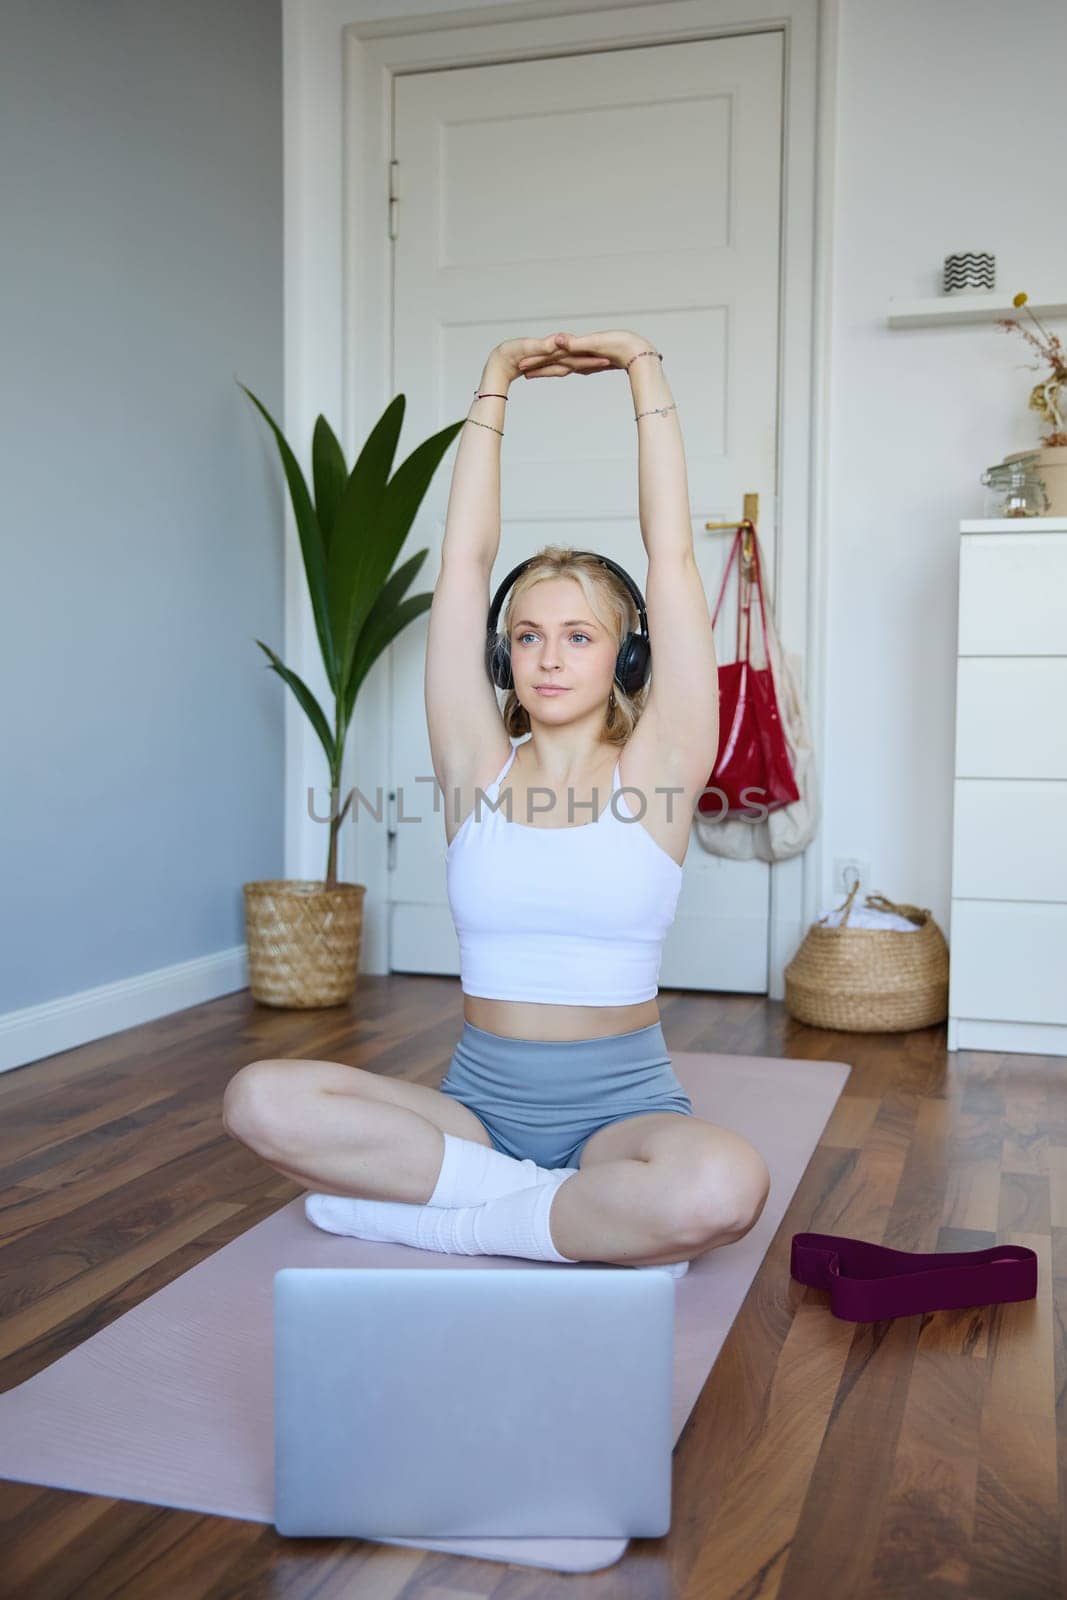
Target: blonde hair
<point x="611" y="603"/>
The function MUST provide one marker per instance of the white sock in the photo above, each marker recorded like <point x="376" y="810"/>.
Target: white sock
<point x="514" y="1224"/>
<point x="472" y="1173"/>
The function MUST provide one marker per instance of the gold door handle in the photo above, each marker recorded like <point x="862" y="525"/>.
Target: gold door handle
<point x="751" y="516"/>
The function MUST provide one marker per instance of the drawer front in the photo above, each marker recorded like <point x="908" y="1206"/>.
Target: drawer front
<point x="1011" y="717"/>
<point x="1009" y="840"/>
<point x="1013" y="594"/>
<point x="1008" y="961"/>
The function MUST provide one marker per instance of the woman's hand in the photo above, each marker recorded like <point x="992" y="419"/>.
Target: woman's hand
<point x="571" y="352"/>
<point x="548" y="356"/>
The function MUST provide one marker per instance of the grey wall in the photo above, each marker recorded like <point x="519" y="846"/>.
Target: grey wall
<point x="142" y="509"/>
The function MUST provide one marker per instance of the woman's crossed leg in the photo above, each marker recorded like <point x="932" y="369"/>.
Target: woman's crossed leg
<point x="652" y="1189"/>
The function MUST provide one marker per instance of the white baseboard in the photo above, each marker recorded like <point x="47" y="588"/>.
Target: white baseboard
<point x="74" y="1019"/>
<point x="1008" y="1038"/>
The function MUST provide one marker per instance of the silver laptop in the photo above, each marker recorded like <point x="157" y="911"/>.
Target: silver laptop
<point x="426" y="1402"/>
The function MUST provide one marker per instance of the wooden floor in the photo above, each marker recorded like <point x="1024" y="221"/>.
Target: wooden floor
<point x="921" y="1456"/>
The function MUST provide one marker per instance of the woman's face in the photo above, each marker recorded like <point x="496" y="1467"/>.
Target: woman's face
<point x="557" y="639"/>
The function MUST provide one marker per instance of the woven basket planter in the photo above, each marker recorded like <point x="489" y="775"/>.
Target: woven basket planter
<point x="870" y="980"/>
<point x="303" y="941"/>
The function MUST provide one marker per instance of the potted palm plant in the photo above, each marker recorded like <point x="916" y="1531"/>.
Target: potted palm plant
<point x="304" y="936"/>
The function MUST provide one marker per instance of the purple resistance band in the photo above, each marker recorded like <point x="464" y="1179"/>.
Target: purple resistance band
<point x="868" y="1282"/>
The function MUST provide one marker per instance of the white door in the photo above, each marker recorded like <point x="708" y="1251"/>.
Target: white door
<point x="624" y="188"/>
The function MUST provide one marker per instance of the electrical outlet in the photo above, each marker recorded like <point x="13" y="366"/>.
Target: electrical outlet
<point x="847" y="869"/>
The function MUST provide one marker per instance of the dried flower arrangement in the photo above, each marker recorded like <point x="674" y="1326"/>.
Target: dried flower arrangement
<point x="1045" y="396"/>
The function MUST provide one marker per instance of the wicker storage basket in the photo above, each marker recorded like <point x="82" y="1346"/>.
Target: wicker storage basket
<point x="303" y="941"/>
<point x="870" y="980"/>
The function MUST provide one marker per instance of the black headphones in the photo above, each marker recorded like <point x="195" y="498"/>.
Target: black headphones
<point x="635" y="651"/>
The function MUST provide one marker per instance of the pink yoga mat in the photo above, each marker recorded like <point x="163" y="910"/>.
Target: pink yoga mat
<point x="172" y="1404"/>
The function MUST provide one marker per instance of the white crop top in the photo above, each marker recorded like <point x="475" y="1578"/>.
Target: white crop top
<point x="575" y="915"/>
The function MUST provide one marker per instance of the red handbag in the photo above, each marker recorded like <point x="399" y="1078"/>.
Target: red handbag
<point x="753" y="773"/>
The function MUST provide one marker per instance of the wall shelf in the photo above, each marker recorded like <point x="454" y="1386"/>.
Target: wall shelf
<point x="984" y="306"/>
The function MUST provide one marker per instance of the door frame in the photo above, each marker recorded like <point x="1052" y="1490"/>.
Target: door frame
<point x="337" y="89"/>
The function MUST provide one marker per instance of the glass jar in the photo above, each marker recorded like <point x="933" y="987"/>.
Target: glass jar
<point x="1014" y="489"/>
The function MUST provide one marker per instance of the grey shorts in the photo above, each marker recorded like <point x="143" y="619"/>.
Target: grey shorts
<point x="543" y="1100"/>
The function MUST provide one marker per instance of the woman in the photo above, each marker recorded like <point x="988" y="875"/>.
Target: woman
<point x="560" y="1103"/>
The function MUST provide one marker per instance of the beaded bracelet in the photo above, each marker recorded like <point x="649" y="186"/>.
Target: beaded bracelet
<point x="656" y="411"/>
<point x="484" y="394"/>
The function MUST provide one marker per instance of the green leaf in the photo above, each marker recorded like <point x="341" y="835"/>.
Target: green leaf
<point x="375" y="636"/>
<point x="311" y="545"/>
<point x="330" y="474"/>
<point x="396" y="588"/>
<point x="307" y="700"/>
<point x="375" y="460"/>
<point x="356" y="518"/>
<point x="368" y="536"/>
<point x="385" y="631"/>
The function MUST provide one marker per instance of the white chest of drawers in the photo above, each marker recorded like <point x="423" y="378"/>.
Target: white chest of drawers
<point x="1008" y="934"/>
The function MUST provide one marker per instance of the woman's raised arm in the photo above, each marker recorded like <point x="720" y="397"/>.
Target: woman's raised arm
<point x="683" y="702"/>
<point x="682" y="708"/>
<point x="663" y="485"/>
<point x="663" y="489"/>
<point x="472" y="521"/>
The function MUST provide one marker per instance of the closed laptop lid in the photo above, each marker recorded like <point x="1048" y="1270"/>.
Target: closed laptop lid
<point x="421" y="1402"/>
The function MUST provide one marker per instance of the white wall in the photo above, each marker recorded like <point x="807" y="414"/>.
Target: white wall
<point x="951" y="125"/>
